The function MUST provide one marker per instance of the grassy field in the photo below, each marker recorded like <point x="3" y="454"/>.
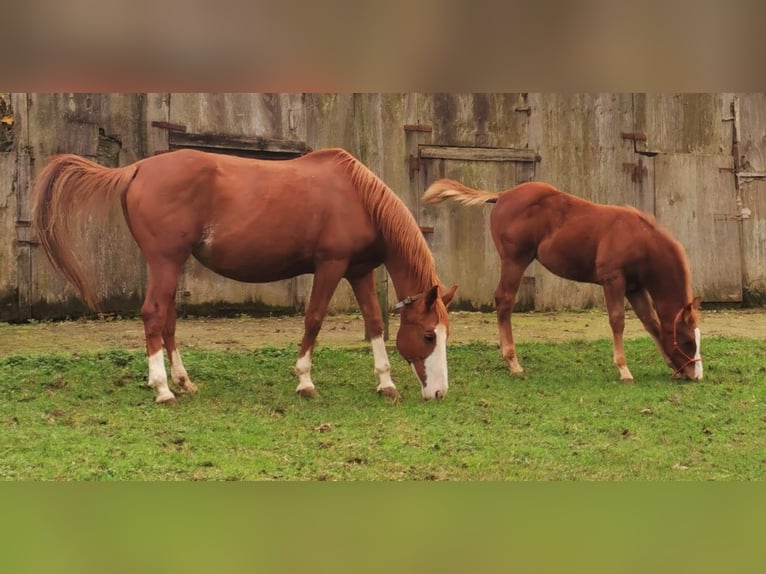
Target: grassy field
<point x="89" y="416"/>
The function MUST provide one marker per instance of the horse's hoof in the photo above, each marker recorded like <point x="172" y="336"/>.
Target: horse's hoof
<point x="515" y="368"/>
<point x="627" y="380"/>
<point x="187" y="387"/>
<point x="168" y="399"/>
<point x="308" y="393"/>
<point x="389" y="392"/>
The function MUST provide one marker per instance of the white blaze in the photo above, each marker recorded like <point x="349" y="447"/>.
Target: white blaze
<point x="436" y="366"/>
<point x="697" y="355"/>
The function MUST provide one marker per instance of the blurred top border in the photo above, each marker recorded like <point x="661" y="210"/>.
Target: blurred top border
<point x="356" y="46"/>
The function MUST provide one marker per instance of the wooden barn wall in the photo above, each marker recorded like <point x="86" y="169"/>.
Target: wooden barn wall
<point x="750" y="160"/>
<point x="9" y="296"/>
<point x="684" y="123"/>
<point x="107" y="128"/>
<point x="579" y="139"/>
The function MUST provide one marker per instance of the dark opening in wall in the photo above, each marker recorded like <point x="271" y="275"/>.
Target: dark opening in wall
<point x="6" y="122"/>
<point x="253" y="147"/>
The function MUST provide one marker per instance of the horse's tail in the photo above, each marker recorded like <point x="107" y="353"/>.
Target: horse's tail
<point x="443" y="189"/>
<point x="67" y="185"/>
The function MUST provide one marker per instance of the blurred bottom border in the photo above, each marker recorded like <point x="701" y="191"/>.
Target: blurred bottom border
<point x="374" y="527"/>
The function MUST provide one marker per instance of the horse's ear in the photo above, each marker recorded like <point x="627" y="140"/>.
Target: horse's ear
<point x="447" y="297"/>
<point x="692" y="307"/>
<point x="431" y="296"/>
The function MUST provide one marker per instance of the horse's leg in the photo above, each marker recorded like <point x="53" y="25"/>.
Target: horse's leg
<point x="326" y="279"/>
<point x="614" y="294"/>
<point x="177" y="370"/>
<point x="511" y="273"/>
<point x="160" y="295"/>
<point x="366" y="296"/>
<point x="642" y="305"/>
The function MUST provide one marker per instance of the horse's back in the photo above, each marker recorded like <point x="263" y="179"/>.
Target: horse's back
<point x="571" y="236"/>
<point x="217" y="185"/>
<point x="559" y="207"/>
<point x="248" y="219"/>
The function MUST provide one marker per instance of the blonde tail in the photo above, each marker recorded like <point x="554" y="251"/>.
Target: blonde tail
<point x="443" y="189"/>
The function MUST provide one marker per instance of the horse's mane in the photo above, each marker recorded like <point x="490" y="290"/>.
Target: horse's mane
<point x="397" y="225"/>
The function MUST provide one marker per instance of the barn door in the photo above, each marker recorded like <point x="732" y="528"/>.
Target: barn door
<point x="695" y="198"/>
<point x="460" y="237"/>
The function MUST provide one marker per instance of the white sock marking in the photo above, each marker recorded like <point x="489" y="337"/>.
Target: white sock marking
<point x="303" y="370"/>
<point x="436" y="366"/>
<point x="382" y="366"/>
<point x="158" y="377"/>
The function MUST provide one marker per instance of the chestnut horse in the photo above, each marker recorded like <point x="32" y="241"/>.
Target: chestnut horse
<point x="620" y="248"/>
<point x="258" y="221"/>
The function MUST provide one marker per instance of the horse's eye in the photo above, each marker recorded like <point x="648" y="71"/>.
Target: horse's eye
<point x="430" y="337"/>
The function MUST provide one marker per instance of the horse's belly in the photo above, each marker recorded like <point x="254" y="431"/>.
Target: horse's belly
<point x="568" y="261"/>
<point x="255" y="268"/>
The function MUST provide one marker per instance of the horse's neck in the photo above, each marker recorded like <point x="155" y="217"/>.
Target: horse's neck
<point x="669" y="300"/>
<point x="406" y="277"/>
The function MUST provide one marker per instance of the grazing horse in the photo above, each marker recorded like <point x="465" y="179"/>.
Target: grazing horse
<point x="258" y="221"/>
<point x="620" y="248"/>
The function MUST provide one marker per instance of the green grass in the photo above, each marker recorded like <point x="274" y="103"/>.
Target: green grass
<point x="91" y="417"/>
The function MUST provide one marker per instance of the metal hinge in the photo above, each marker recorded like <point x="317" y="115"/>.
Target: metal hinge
<point x="637" y="170"/>
<point x="418" y="128"/>
<point x="25" y="234"/>
<point x="414" y="164"/>
<point x="744" y="213"/>
<point x="169" y="126"/>
<point x="635" y="136"/>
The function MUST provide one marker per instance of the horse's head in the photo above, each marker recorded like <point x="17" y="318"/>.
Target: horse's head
<point x="681" y="343"/>
<point x="422" y="339"/>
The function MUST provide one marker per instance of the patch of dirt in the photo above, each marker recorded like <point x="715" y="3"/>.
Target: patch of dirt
<point x="343" y="330"/>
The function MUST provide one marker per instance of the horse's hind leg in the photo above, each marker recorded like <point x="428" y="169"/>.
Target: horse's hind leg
<point x="511" y="273"/>
<point x="326" y="278"/>
<point x="366" y="296"/>
<point x="160" y="295"/>
<point x="614" y="295"/>
<point x="177" y="370"/>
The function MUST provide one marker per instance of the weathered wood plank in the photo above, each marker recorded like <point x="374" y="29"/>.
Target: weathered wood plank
<point x="477" y="153"/>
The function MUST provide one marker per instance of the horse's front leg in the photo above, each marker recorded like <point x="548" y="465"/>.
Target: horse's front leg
<point x="645" y="311"/>
<point x="614" y="294"/>
<point x="366" y="296"/>
<point x="326" y="279"/>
